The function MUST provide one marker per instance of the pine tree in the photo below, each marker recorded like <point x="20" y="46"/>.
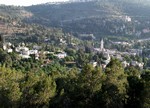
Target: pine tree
<point x="146" y="92"/>
<point x="114" y="87"/>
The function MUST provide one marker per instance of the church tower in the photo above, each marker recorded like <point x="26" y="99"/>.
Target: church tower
<point x="102" y="45"/>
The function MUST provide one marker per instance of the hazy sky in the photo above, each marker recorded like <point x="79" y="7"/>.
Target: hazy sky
<point x="26" y="2"/>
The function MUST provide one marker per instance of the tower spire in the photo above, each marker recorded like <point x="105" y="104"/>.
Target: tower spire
<point x="102" y="45"/>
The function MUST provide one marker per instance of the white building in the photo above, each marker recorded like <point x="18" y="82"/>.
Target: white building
<point x="6" y="45"/>
<point x="94" y="64"/>
<point x="125" y="64"/>
<point x="9" y="50"/>
<point x="135" y="63"/>
<point x="36" y="47"/>
<point x="24" y="51"/>
<point x="24" y="56"/>
<point x="61" y="55"/>
<point x="33" y="51"/>
<point x="20" y="49"/>
<point x="128" y="19"/>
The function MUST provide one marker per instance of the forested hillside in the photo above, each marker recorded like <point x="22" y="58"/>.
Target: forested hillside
<point x="102" y="17"/>
<point x="14" y="12"/>
<point x="15" y="29"/>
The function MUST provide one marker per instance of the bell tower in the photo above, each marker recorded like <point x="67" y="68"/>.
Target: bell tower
<point x="102" y="45"/>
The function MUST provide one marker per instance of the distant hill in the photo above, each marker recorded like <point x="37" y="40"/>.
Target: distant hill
<point x="13" y="27"/>
<point x="11" y="19"/>
<point x="14" y="12"/>
<point x="129" y="18"/>
<point x="73" y="11"/>
<point x="97" y="8"/>
<point x="100" y="17"/>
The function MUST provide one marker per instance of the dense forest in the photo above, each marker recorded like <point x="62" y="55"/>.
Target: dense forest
<point x="59" y="87"/>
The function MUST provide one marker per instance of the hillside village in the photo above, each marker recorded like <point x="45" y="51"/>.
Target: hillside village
<point x="36" y="51"/>
<point x="75" y="54"/>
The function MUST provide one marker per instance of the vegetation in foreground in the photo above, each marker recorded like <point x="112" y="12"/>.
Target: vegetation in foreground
<point x="89" y="87"/>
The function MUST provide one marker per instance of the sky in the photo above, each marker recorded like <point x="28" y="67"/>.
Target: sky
<point x="26" y="2"/>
